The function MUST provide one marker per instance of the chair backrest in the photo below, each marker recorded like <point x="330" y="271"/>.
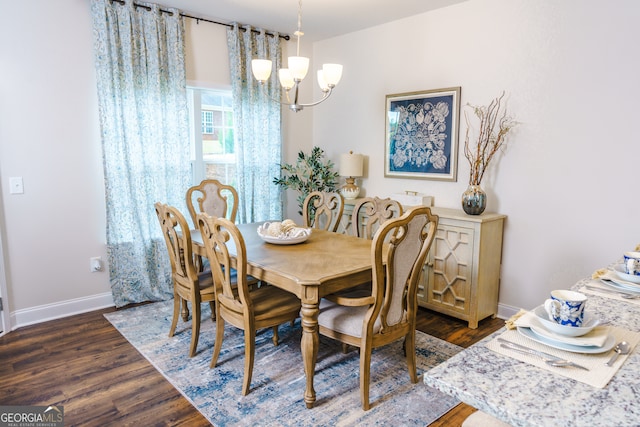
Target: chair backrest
<point x="177" y="236"/>
<point x="399" y="250"/>
<point x="212" y="196"/>
<point x="370" y="213"/>
<point x="217" y="234"/>
<point x="323" y="210"/>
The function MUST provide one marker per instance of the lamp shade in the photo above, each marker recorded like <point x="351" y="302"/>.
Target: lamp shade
<point x="321" y="81"/>
<point x="286" y="79"/>
<point x="261" y="69"/>
<point x="332" y="73"/>
<point x="351" y="164"/>
<point x="298" y="65"/>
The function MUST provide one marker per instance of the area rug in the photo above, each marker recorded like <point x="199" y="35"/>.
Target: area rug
<point x="278" y="383"/>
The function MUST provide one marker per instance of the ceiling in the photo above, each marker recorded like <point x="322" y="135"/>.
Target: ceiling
<point x="321" y="19"/>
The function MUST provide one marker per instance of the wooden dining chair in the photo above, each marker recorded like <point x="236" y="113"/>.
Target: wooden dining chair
<point x="323" y="210"/>
<point x="214" y="198"/>
<point x="245" y="308"/>
<point x="188" y="284"/>
<point x="369" y="213"/>
<point x="398" y="252"/>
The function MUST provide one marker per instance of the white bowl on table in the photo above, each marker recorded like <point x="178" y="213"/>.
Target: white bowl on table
<point x="619" y="271"/>
<point x="570" y="331"/>
<point x="292" y="237"/>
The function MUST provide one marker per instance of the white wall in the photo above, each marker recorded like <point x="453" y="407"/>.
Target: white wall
<point x="570" y="69"/>
<point x="206" y="56"/>
<point x="49" y="135"/>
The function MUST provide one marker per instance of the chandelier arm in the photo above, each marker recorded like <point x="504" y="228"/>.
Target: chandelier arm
<point x="280" y="101"/>
<point x="262" y="84"/>
<point x="325" y="95"/>
<point x="295" y="106"/>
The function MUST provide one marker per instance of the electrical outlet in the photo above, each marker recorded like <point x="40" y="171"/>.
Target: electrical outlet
<point x="95" y="264"/>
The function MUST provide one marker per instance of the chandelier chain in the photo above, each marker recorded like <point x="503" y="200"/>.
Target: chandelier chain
<point x="299" y="32"/>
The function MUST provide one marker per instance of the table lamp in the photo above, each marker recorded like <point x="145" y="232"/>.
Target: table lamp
<point x="350" y="168"/>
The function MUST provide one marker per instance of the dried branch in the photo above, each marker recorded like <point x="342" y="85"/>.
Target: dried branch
<point x="489" y="139"/>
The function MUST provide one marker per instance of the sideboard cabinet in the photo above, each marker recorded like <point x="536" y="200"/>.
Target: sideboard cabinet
<point x="461" y="277"/>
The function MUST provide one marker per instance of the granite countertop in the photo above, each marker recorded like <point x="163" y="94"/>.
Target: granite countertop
<point x="524" y="395"/>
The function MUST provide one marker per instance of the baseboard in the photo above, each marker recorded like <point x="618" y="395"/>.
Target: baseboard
<point x="43" y="313"/>
<point x="506" y="311"/>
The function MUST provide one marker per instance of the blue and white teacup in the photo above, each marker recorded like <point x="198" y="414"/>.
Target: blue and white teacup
<point x="566" y="307"/>
<point x="632" y="263"/>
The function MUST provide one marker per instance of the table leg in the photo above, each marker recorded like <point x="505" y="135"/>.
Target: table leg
<point x="309" y="345"/>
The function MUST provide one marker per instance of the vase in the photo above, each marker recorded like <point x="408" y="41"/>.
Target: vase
<point x="474" y="200"/>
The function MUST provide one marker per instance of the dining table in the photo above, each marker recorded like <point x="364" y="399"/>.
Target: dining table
<point x="325" y="263"/>
<point x="522" y="390"/>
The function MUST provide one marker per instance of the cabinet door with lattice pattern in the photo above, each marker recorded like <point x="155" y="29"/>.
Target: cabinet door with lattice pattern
<point x="447" y="276"/>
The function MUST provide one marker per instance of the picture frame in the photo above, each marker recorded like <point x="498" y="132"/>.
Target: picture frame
<point x="421" y="134"/>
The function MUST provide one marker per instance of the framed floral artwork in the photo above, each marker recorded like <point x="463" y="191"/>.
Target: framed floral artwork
<point x="421" y="134"/>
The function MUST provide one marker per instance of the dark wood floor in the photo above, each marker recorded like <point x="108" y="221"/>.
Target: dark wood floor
<point x="84" y="364"/>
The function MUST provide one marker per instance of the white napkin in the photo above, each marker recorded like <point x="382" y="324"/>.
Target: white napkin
<point x="610" y="274"/>
<point x="596" y="337"/>
<point x="525" y="320"/>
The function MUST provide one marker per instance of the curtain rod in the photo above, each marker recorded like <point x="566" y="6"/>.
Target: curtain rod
<point x="198" y="19"/>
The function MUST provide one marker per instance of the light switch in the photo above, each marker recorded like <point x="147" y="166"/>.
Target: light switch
<point x="15" y="185"/>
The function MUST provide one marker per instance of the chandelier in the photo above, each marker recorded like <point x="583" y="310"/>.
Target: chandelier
<point x="291" y="77"/>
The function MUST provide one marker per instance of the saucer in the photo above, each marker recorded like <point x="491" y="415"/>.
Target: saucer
<point x="619" y="271"/>
<point x="570" y="331"/>
<point x="608" y="345"/>
<point x="596" y="338"/>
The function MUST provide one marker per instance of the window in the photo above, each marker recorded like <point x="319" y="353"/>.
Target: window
<point x="207" y="121"/>
<point x="212" y="135"/>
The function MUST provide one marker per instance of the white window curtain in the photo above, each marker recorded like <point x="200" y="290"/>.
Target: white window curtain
<point x="257" y="120"/>
<point x="139" y="57"/>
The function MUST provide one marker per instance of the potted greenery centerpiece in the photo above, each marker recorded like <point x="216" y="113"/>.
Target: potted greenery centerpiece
<point x="494" y="127"/>
<point x="310" y="173"/>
